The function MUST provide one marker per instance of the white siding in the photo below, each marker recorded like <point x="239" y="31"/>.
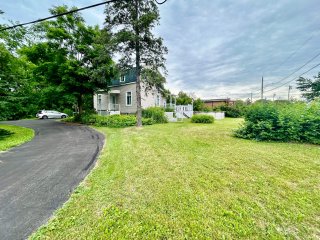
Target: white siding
<point x="148" y="99"/>
<point x="122" y="98"/>
<point x="104" y="101"/>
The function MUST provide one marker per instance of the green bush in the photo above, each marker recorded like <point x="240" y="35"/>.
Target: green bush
<point x="169" y="109"/>
<point x="202" y="118"/>
<point x="231" y="111"/>
<point x="147" y="121"/>
<point x="68" y="119"/>
<point x="238" y="109"/>
<point x="282" y="122"/>
<point x="114" y="121"/>
<point x="68" y="111"/>
<point x="157" y="114"/>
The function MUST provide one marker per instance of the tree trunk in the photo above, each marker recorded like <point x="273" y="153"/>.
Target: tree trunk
<point x="139" y="107"/>
<point x="80" y="104"/>
<point x="138" y="84"/>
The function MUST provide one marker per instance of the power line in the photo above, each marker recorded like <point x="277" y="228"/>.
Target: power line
<point x="298" y="69"/>
<point x="291" y="55"/>
<point x="66" y="13"/>
<point x="294" y="78"/>
<point x="310" y="60"/>
<point x="160" y="2"/>
<point x="58" y="15"/>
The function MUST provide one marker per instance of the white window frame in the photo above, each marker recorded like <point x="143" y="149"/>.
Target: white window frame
<point x="158" y="100"/>
<point x="99" y="99"/>
<point x="123" y="78"/>
<point x="127" y="98"/>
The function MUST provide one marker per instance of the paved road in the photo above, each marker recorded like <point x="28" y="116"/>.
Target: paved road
<point x="37" y="177"/>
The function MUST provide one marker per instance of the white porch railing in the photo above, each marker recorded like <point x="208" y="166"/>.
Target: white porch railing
<point x="184" y="111"/>
<point x="184" y="108"/>
<point x="114" y="107"/>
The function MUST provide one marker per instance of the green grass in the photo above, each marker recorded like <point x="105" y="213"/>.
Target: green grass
<point x="193" y="181"/>
<point x="11" y="136"/>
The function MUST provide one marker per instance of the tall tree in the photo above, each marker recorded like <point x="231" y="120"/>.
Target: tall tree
<point x="198" y="105"/>
<point x="310" y="88"/>
<point x="15" y="87"/>
<point x="70" y="57"/>
<point x="132" y="23"/>
<point x="183" y="98"/>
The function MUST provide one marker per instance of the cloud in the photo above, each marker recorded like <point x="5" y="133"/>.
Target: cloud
<point x="220" y="48"/>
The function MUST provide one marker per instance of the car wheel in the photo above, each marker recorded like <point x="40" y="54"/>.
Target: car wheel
<point x="63" y="116"/>
<point x="44" y="117"/>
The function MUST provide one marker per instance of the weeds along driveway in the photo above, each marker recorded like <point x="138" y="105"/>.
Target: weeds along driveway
<point x="38" y="177"/>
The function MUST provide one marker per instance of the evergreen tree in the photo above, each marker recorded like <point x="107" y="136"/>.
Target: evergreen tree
<point x="131" y="23"/>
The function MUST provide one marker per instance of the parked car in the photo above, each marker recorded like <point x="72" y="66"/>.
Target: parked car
<point x="45" y="114"/>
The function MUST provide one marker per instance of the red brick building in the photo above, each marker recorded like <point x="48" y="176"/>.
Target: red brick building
<point x="218" y="102"/>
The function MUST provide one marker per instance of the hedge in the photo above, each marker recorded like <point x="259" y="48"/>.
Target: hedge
<point x="113" y="121"/>
<point x="202" y="118"/>
<point x="157" y="114"/>
<point x="291" y="122"/>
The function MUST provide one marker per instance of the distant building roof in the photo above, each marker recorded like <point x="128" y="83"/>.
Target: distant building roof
<point x="219" y="100"/>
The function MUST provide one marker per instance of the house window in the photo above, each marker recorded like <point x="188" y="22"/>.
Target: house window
<point x="123" y="78"/>
<point x="158" y="101"/>
<point x="99" y="100"/>
<point x="129" y="98"/>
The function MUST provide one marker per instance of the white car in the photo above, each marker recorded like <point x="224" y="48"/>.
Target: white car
<point x="45" y="114"/>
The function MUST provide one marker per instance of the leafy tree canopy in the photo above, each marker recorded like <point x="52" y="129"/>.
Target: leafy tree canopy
<point x="152" y="78"/>
<point x="310" y="88"/>
<point x="198" y="105"/>
<point x="70" y="55"/>
<point x="183" y="98"/>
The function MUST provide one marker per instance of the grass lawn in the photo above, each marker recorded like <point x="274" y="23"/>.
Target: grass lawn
<point x="11" y="136"/>
<point x="194" y="181"/>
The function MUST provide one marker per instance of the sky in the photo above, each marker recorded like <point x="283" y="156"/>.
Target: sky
<point x="221" y="48"/>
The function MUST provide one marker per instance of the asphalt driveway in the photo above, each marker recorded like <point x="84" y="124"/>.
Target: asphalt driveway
<point x="37" y="177"/>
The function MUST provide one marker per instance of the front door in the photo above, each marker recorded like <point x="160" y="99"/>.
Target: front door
<point x="113" y="102"/>
<point x="114" y="99"/>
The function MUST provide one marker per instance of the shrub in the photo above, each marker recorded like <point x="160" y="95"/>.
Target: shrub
<point x="114" y="121"/>
<point x="169" y="109"/>
<point x="282" y="122"/>
<point x="157" y="114"/>
<point x="68" y="111"/>
<point x="234" y="111"/>
<point x="68" y="119"/>
<point x="202" y="118"/>
<point x="231" y="111"/>
<point x="147" y="121"/>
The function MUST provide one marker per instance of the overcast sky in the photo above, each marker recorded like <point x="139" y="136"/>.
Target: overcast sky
<point x="220" y="48"/>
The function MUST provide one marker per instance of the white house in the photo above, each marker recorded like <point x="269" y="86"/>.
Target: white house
<point x="121" y="97"/>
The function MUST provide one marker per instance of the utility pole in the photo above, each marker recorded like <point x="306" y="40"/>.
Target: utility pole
<point x="290" y="87"/>
<point x="274" y="95"/>
<point x="251" y="97"/>
<point x="262" y="88"/>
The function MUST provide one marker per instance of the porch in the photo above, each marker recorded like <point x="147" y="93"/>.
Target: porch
<point x="108" y="103"/>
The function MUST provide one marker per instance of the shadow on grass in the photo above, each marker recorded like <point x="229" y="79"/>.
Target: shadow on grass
<point x="4" y="134"/>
